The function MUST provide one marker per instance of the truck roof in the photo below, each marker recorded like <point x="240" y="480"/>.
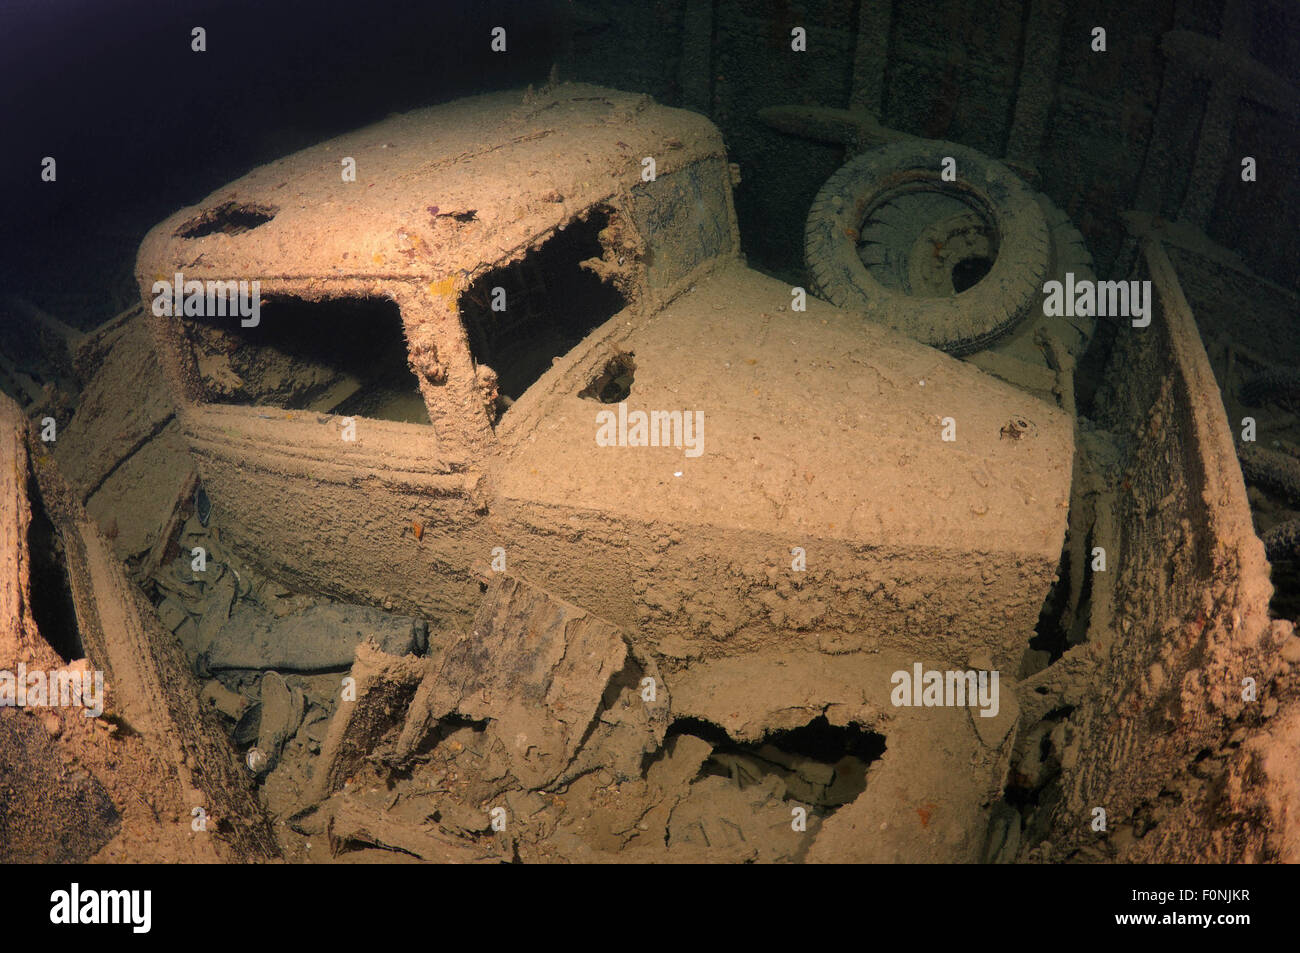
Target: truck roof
<point x="439" y="192"/>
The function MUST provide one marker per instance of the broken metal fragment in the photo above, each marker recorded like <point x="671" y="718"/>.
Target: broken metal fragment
<point x="536" y="667"/>
<point x="383" y="685"/>
<point x="352" y="823"/>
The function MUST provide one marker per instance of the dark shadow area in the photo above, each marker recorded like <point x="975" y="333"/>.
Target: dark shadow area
<point x="52" y="605"/>
<point x="818" y="763"/>
<point x="1049" y="635"/>
<point x="969" y="272"/>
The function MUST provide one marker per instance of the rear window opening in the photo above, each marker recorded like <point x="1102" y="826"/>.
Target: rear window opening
<point x="521" y="317"/>
<point x="344" y="356"/>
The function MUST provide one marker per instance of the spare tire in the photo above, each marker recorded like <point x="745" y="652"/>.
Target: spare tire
<point x="959" y="323"/>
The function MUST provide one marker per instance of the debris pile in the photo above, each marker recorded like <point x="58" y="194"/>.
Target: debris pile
<point x="537" y="735"/>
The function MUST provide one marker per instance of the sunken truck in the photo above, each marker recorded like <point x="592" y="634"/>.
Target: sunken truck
<point x="516" y="334"/>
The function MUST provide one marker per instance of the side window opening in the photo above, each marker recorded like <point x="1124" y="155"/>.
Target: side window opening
<point x="521" y="316"/>
<point x="343" y="356"/>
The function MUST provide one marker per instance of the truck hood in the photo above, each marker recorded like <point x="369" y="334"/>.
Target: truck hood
<point x="814" y="423"/>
